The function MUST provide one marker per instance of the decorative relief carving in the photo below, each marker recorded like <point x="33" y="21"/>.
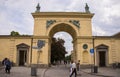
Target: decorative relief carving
<point x="75" y="22"/>
<point x="50" y="22"/>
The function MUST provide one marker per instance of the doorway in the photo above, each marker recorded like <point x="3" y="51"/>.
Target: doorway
<point x="22" y="57"/>
<point x="102" y="58"/>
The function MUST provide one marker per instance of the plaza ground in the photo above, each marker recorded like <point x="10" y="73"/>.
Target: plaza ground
<point x="59" y="71"/>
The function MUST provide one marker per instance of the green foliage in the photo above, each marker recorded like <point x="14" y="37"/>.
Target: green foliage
<point x="13" y="33"/>
<point x="68" y="58"/>
<point x="57" y="50"/>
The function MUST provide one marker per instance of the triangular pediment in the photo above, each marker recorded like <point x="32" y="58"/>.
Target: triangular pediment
<point x="22" y="45"/>
<point x="102" y="46"/>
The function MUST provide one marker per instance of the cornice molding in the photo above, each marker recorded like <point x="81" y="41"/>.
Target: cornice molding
<point x="63" y="14"/>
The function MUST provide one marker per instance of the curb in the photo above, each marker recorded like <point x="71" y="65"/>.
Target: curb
<point x="96" y="74"/>
<point x="43" y="72"/>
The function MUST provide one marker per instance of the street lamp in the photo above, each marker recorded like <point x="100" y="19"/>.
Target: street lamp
<point x="94" y="48"/>
<point x="95" y="67"/>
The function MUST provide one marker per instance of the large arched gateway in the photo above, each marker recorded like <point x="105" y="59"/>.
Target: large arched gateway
<point x="77" y="24"/>
<point x="66" y="27"/>
<point x="20" y="49"/>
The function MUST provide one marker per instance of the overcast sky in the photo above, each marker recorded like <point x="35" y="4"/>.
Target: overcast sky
<point x="16" y="14"/>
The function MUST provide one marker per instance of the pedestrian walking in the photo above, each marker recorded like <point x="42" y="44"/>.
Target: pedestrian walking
<point x="73" y="68"/>
<point x="70" y="68"/>
<point x="7" y="64"/>
<point x="78" y="67"/>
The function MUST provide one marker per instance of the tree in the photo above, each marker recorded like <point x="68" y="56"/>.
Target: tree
<point x="13" y="33"/>
<point x="68" y="58"/>
<point x="57" y="50"/>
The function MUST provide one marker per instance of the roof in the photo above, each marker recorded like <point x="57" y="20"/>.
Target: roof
<point x="117" y="35"/>
<point x="19" y="36"/>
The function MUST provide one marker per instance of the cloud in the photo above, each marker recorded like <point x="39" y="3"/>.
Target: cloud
<point x="107" y="16"/>
<point x="16" y="15"/>
<point x="54" y="5"/>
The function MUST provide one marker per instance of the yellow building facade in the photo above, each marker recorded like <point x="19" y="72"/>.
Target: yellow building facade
<point x="21" y="49"/>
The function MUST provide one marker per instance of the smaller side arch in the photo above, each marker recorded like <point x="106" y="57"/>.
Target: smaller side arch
<point x="102" y="46"/>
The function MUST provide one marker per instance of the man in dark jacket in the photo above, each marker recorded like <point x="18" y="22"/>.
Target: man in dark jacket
<point x="7" y="64"/>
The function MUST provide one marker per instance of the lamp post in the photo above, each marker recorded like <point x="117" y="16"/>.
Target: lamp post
<point x="94" y="48"/>
<point x="95" y="67"/>
<point x="31" y="51"/>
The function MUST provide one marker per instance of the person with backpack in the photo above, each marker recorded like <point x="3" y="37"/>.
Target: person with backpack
<point x="7" y="64"/>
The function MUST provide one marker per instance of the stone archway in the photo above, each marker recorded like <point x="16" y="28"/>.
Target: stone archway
<point x="46" y="24"/>
<point x="66" y="28"/>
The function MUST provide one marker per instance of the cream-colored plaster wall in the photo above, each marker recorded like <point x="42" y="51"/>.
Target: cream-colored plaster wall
<point x="39" y="27"/>
<point x="118" y="50"/>
<point x="97" y="42"/>
<point x="40" y="20"/>
<point x="80" y="49"/>
<point x="45" y="54"/>
<point x="4" y="48"/>
<point x="8" y="47"/>
<point x="105" y="42"/>
<point x="19" y="41"/>
<point x="85" y="27"/>
<point x="113" y="48"/>
<point x="43" y="57"/>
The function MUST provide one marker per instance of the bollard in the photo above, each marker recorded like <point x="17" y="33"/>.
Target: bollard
<point x="33" y="71"/>
<point x="92" y="69"/>
<point x="95" y="69"/>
